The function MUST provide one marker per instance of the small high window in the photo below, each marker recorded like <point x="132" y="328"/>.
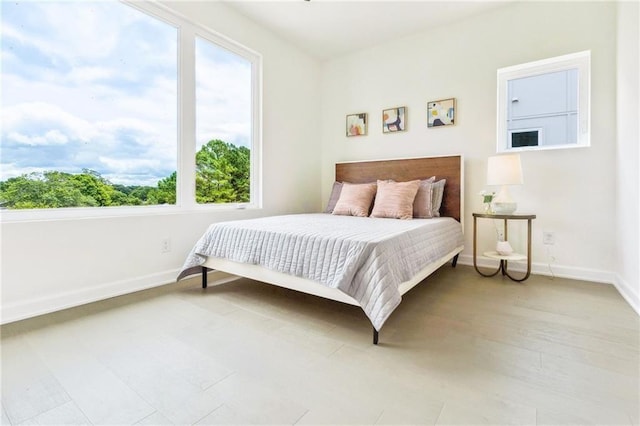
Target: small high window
<point x="544" y="104"/>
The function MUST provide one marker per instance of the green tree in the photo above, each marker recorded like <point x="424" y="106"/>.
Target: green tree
<point x="91" y="184"/>
<point x="165" y="193"/>
<point x="222" y="173"/>
<point x="240" y="177"/>
<point x="44" y="190"/>
<point x="222" y="176"/>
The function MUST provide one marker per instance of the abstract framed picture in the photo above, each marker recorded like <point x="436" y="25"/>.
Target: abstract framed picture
<point x="394" y="120"/>
<point x="357" y="124"/>
<point x="441" y="113"/>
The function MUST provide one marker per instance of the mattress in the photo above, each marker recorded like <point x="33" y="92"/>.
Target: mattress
<point x="366" y="258"/>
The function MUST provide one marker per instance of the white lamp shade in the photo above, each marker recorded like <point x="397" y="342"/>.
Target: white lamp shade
<point x="504" y="170"/>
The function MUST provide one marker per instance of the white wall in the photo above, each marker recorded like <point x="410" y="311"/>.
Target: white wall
<point x="571" y="191"/>
<point x="627" y="152"/>
<point x="49" y="265"/>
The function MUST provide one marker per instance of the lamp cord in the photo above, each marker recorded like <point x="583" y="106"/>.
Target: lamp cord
<point x="550" y="258"/>
<point x="495" y="225"/>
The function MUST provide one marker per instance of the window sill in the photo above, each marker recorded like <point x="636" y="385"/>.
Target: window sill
<point x="79" y="213"/>
<point x="542" y="148"/>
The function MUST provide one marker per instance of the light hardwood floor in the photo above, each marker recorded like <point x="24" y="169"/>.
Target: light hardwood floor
<point x="460" y="349"/>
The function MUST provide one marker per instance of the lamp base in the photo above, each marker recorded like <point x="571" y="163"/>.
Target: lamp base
<point x="504" y="207"/>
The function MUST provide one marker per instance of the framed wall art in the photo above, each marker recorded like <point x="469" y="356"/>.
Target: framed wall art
<point x="394" y="120"/>
<point x="441" y="113"/>
<point x="357" y="124"/>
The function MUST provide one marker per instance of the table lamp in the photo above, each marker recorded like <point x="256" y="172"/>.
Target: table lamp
<point x="504" y="170"/>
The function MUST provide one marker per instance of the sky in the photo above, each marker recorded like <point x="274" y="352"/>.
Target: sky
<point x="94" y="85"/>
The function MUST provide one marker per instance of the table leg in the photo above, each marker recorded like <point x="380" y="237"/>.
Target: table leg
<point x="528" y="255"/>
<point x="475" y="253"/>
<point x="506" y="238"/>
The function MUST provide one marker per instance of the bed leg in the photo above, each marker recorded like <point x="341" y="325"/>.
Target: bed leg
<point x="204" y="276"/>
<point x="375" y="336"/>
<point x="454" y="262"/>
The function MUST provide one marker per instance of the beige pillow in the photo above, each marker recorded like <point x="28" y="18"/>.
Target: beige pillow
<point x="355" y="199"/>
<point x="333" y="198"/>
<point x="395" y="199"/>
<point x="422" y="205"/>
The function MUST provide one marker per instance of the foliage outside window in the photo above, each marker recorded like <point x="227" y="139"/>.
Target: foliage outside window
<point x="222" y="173"/>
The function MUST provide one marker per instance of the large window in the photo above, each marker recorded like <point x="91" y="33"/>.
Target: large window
<point x="223" y="125"/>
<point x="98" y="105"/>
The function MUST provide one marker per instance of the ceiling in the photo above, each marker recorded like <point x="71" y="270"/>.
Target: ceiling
<point x="328" y="28"/>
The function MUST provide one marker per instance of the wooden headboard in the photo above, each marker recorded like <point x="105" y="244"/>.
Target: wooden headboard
<point x="449" y="168"/>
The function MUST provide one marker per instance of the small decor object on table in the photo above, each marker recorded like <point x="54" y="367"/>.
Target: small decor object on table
<point x="441" y="113"/>
<point x="394" y="120"/>
<point x="504" y="248"/>
<point x="357" y="124"/>
<point x="487" y="198"/>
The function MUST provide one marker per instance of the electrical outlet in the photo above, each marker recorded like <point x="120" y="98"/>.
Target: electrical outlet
<point x="165" y="245"/>
<point x="548" y="238"/>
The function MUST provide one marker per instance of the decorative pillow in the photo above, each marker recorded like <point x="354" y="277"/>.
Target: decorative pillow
<point x="395" y="199"/>
<point x="437" y="191"/>
<point x="355" y="199"/>
<point x="422" y="205"/>
<point x="333" y="199"/>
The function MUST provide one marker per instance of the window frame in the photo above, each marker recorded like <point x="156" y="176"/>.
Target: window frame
<point x="580" y="61"/>
<point x="187" y="31"/>
<point x="255" y="60"/>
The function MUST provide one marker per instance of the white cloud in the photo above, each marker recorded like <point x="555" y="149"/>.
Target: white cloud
<point x="52" y="137"/>
<point x="90" y="36"/>
<point x="124" y="145"/>
<point x="90" y="74"/>
<point x="223" y="96"/>
<point x="9" y="170"/>
<point x="118" y="165"/>
<point x="39" y="123"/>
<point x="108" y="108"/>
<point x="101" y="107"/>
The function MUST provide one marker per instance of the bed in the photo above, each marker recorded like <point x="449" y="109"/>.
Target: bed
<point x="363" y="261"/>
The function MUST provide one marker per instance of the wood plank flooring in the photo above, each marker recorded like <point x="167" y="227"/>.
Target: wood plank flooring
<point x="460" y="349"/>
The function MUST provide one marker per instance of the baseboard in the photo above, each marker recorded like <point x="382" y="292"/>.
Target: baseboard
<point x="31" y="308"/>
<point x="44" y="305"/>
<point x="571" y="272"/>
<point x="584" y="274"/>
<point x="632" y="297"/>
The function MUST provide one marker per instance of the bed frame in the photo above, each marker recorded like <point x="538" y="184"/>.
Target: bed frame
<point x="450" y="168"/>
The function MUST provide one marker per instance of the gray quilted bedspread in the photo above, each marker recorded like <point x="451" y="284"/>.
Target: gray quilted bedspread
<point x="366" y="258"/>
